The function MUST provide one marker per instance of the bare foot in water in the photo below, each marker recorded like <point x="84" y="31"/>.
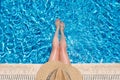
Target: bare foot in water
<point x="62" y="26"/>
<point x="57" y="23"/>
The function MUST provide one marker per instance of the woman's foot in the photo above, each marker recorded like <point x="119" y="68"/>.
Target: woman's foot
<point x="57" y="23"/>
<point x="62" y="26"/>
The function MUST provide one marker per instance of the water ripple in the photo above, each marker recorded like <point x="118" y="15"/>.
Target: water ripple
<point x="92" y="30"/>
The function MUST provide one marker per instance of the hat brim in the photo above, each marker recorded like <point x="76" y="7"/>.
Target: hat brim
<point x="50" y="66"/>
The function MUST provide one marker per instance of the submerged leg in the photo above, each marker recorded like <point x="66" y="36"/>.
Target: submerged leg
<point x="63" y="53"/>
<point x="55" y="45"/>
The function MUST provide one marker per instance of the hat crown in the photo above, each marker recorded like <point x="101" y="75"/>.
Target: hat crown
<point x="59" y="74"/>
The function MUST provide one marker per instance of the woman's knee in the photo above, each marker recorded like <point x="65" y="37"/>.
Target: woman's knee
<point x="55" y="45"/>
<point x="63" y="46"/>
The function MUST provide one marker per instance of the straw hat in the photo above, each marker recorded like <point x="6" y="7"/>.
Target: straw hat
<point x="54" y="70"/>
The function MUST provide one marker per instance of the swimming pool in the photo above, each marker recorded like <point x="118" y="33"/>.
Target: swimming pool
<point x="92" y="30"/>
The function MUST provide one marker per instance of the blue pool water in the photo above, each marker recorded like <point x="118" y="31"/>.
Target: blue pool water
<point x="92" y="30"/>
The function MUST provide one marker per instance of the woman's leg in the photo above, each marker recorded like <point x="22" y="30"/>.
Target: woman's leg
<point x="63" y="53"/>
<point x="55" y="45"/>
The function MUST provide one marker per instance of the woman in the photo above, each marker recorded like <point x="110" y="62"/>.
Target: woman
<point x="58" y="67"/>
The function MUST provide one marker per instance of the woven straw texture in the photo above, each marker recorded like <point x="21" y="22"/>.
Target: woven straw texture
<point x="46" y="70"/>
